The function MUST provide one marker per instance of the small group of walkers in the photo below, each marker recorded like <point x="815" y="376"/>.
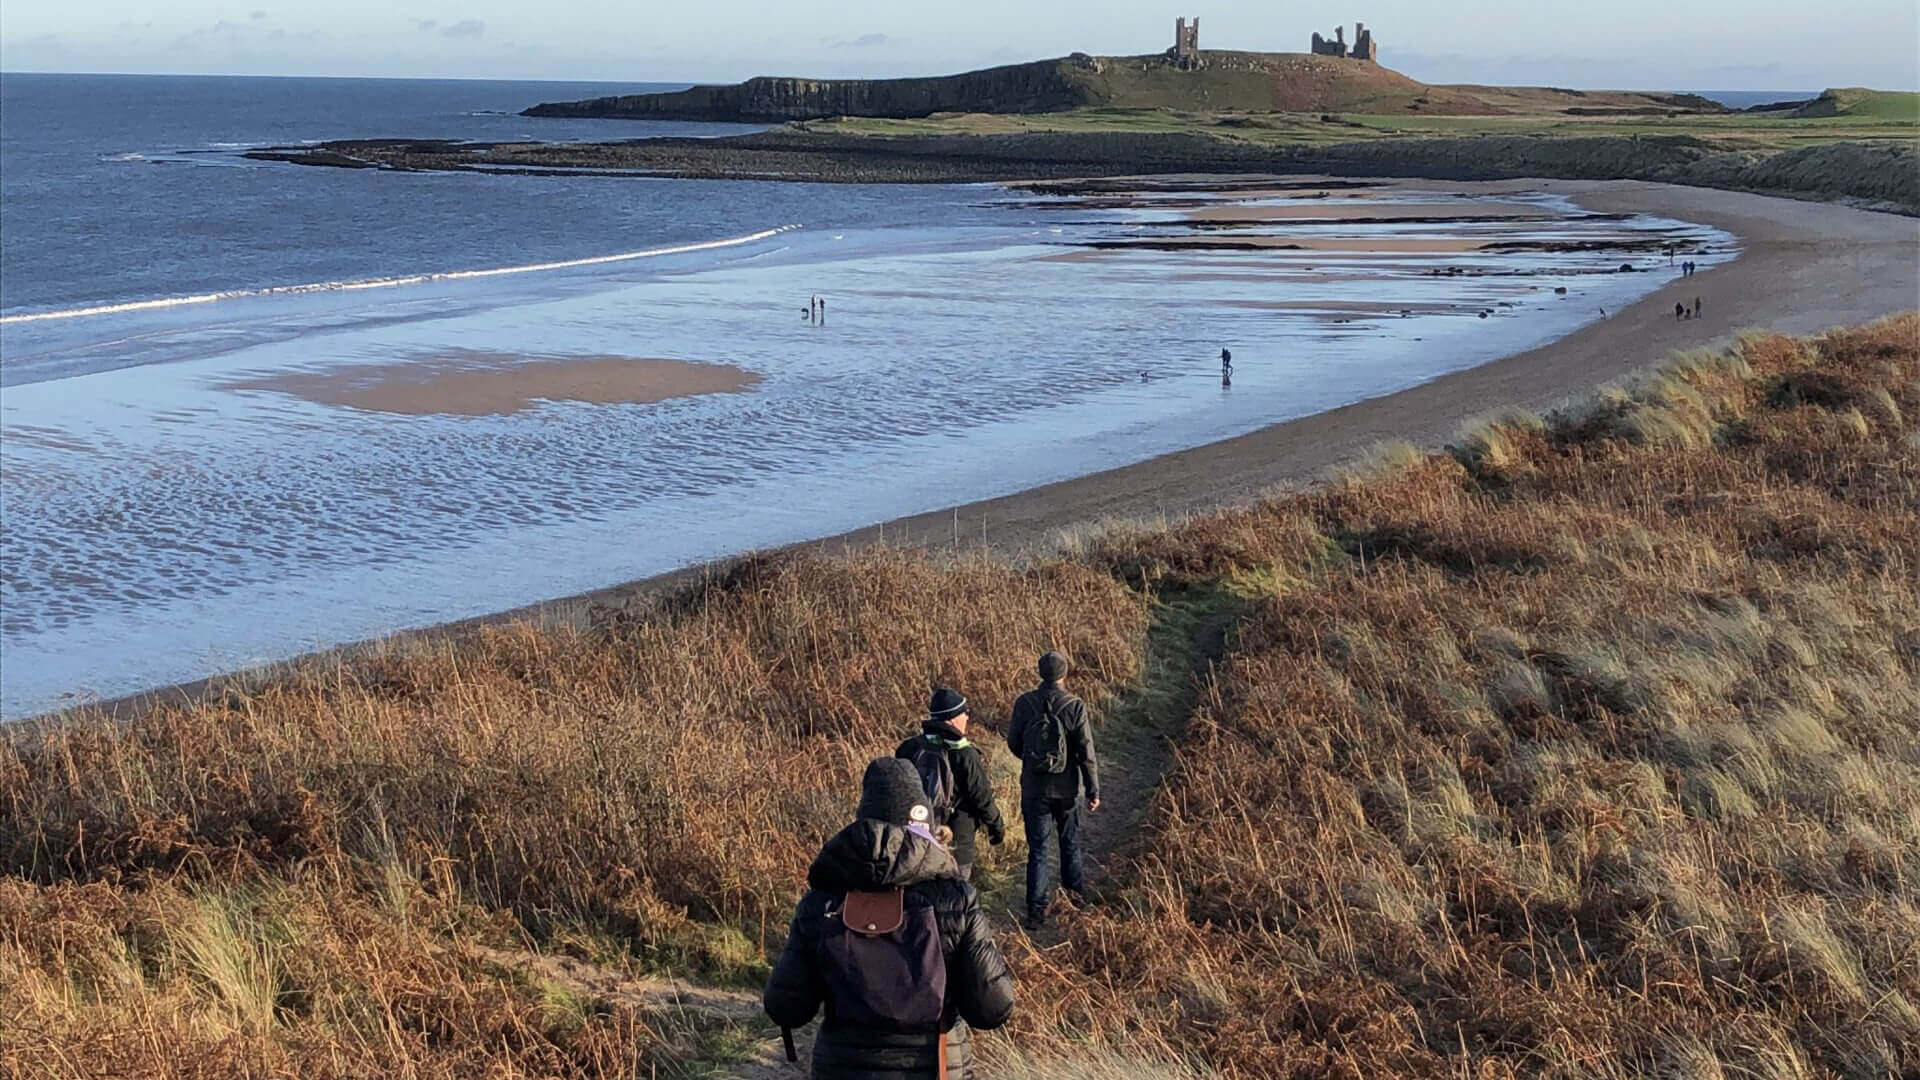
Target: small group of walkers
<point x="890" y="940"/>
<point x="1682" y="311"/>
<point x="1687" y="268"/>
<point x="816" y="310"/>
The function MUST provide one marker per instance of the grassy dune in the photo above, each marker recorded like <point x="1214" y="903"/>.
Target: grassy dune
<point x="1585" y="748"/>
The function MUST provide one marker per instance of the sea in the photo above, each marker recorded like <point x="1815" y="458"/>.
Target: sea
<point x="172" y="511"/>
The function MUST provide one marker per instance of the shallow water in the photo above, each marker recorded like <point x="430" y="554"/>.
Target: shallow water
<point x="161" y="526"/>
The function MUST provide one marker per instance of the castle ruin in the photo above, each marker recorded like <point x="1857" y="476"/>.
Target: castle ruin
<point x="1185" y="53"/>
<point x="1363" y="46"/>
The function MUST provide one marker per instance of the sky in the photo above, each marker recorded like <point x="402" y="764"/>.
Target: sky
<point x="1626" y="44"/>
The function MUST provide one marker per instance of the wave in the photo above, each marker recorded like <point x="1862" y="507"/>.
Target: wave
<point x="390" y="282"/>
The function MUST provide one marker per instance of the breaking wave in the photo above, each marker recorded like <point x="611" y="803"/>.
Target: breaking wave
<point x="390" y="282"/>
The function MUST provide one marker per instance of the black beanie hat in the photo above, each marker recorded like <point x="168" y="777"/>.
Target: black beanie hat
<point x="891" y="792"/>
<point x="1052" y="666"/>
<point x="946" y="704"/>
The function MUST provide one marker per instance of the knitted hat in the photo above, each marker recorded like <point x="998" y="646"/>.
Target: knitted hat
<point x="946" y="704"/>
<point x="1052" y="666"/>
<point x="891" y="792"/>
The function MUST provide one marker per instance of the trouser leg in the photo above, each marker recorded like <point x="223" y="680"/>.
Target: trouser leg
<point x="1072" y="871"/>
<point x="1039" y="826"/>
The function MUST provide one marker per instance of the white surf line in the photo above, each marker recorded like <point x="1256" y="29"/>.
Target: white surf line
<point x="388" y="283"/>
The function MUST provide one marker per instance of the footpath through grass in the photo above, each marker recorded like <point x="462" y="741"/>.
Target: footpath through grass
<point x="1587" y="748"/>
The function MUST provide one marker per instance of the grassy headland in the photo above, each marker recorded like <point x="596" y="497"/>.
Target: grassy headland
<point x="1241" y="112"/>
<point x="1587" y="747"/>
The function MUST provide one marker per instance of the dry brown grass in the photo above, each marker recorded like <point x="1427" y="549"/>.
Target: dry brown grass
<point x="1586" y="749"/>
<point x="280" y="873"/>
<point x="1593" y="749"/>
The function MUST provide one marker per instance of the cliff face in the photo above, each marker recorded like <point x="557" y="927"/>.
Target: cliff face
<point x="1042" y="86"/>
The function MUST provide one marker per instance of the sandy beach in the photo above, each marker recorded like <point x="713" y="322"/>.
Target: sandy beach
<point x="1805" y="266"/>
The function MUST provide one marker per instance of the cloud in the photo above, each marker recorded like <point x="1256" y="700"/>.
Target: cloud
<point x="424" y="25"/>
<point x="864" y="41"/>
<point x="465" y="28"/>
<point x="258" y="16"/>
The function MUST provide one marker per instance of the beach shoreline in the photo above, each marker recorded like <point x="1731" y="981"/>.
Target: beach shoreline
<point x="1804" y="267"/>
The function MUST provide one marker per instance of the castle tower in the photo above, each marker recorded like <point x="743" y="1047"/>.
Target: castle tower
<point x="1186" y="43"/>
<point x="1363" y="46"/>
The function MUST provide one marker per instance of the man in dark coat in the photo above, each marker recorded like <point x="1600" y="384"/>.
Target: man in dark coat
<point x="888" y="847"/>
<point x="1050" y="800"/>
<point x="945" y="730"/>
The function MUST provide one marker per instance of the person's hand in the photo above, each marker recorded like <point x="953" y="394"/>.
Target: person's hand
<point x="1093" y="806"/>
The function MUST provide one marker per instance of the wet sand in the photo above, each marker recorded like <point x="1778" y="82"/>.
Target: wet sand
<point x="1336" y="213"/>
<point x="473" y="383"/>
<point x="1382" y="245"/>
<point x="1805" y="267"/>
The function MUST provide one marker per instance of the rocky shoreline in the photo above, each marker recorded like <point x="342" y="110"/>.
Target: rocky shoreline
<point x="1882" y="176"/>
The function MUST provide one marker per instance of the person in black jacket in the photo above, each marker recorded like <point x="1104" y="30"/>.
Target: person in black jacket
<point x="945" y="729"/>
<point x="887" y="848"/>
<point x="1049" y="800"/>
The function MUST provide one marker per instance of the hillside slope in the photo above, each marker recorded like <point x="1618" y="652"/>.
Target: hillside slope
<point x="1242" y="81"/>
<point x="1861" y="103"/>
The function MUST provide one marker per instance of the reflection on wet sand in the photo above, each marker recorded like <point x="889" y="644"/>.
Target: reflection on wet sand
<point x="478" y="383"/>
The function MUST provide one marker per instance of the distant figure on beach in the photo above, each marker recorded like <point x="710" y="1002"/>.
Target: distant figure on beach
<point x="1679" y="311"/>
<point x="1226" y="364"/>
<point x="821" y="303"/>
<point x="1696" y="307"/>
<point x="1603" y="313"/>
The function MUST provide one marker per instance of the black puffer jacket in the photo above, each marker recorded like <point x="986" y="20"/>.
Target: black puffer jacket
<point x="870" y="856"/>
<point x="974" y="807"/>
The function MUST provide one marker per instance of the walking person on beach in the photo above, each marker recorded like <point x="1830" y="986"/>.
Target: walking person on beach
<point x="893" y="943"/>
<point x="1050" y="735"/>
<point x="1679" y="311"/>
<point x="955" y="778"/>
<point x="1696" y="307"/>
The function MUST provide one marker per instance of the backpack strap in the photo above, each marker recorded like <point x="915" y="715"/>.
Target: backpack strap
<point x="874" y="914"/>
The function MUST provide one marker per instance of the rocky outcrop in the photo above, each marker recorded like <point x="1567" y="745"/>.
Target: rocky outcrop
<point x="1041" y="86"/>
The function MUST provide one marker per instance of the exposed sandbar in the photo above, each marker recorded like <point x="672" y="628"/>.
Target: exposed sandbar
<point x="479" y="383"/>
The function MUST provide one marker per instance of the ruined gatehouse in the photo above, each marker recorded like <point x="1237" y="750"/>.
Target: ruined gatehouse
<point x="1363" y="46"/>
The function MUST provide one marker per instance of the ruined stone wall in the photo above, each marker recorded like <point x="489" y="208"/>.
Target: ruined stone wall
<point x="1363" y="47"/>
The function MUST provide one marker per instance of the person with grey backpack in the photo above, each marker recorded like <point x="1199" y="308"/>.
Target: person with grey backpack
<point x="955" y="776"/>
<point x="1050" y="736"/>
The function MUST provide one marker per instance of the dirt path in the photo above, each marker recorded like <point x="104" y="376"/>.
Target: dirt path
<point x="1188" y="636"/>
<point x="687" y="1012"/>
